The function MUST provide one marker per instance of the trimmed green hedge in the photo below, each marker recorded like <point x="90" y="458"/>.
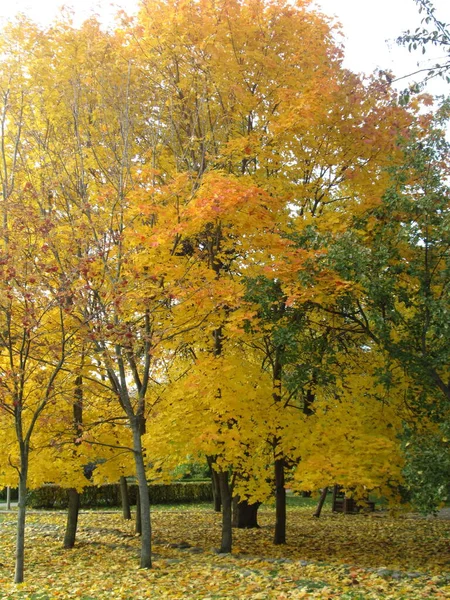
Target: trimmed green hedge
<point x="52" y="496"/>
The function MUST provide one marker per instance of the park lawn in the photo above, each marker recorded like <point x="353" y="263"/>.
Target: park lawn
<point x="347" y="557"/>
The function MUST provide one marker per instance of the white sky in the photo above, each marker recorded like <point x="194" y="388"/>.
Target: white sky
<point x="370" y="28"/>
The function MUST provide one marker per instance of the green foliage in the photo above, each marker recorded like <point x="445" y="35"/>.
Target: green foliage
<point x="427" y="468"/>
<point x="433" y="32"/>
<point x="192" y="470"/>
<point x="179" y="492"/>
<point x="397" y="254"/>
<point x="52" y="496"/>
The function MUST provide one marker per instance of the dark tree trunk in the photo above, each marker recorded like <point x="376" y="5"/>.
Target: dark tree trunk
<point x="225" y="493"/>
<point x="217" y="501"/>
<point x="245" y="515"/>
<point x="72" y="518"/>
<point x="280" y="503"/>
<point x="125" y="499"/>
<point x="72" y="494"/>
<point x="321" y="502"/>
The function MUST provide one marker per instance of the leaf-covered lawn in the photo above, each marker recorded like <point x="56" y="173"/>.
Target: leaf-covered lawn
<point x="350" y="558"/>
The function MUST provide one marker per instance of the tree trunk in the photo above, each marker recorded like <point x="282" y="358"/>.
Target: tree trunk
<point x="72" y="518"/>
<point x="73" y="495"/>
<point x="125" y="498"/>
<point x="280" y="503"/>
<point x="144" y="501"/>
<point x="138" y="521"/>
<point x="321" y="502"/>
<point x="216" y="491"/>
<point x="225" y="493"/>
<point x="245" y="515"/>
<point x="8" y="498"/>
<point x="217" y="501"/>
<point x="20" y="539"/>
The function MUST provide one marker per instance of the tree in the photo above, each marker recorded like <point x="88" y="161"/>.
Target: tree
<point x="438" y="36"/>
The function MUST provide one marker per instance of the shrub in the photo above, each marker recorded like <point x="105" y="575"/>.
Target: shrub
<point x="52" y="496"/>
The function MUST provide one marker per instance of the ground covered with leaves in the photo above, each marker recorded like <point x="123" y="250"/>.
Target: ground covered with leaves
<point x="347" y="557"/>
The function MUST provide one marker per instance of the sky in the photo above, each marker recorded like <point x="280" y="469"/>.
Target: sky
<point x="370" y="29"/>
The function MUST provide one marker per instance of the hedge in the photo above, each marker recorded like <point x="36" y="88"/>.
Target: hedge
<point x="52" y="496"/>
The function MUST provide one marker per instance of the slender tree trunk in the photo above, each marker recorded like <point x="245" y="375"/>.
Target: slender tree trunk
<point x="125" y="499"/>
<point x="73" y="495"/>
<point x="20" y="539"/>
<point x="216" y="491"/>
<point x="217" y="499"/>
<point x="144" y="501"/>
<point x="217" y="502"/>
<point x="227" y="531"/>
<point x="72" y="518"/>
<point x="321" y="502"/>
<point x="138" y="521"/>
<point x="280" y="503"/>
<point x="8" y="498"/>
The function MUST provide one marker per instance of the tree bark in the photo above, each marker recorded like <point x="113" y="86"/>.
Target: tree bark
<point x="217" y="501"/>
<point x="227" y="532"/>
<point x="321" y="502"/>
<point x="280" y="503"/>
<point x="144" y="501"/>
<point x="125" y="498"/>
<point x="8" y="498"/>
<point x="72" y="518"/>
<point x="138" y="521"/>
<point x="245" y="515"/>
<point x="73" y="495"/>
<point x="20" y="539"/>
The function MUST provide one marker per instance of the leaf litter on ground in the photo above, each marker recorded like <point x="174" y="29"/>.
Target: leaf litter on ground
<point x="347" y="557"/>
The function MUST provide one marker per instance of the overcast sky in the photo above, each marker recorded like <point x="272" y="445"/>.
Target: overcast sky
<point x="370" y="28"/>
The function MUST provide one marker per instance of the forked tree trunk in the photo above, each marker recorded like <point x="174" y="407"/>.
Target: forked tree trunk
<point x="21" y="514"/>
<point x="245" y="515"/>
<point x="72" y="518"/>
<point x="321" y="502"/>
<point x="227" y="532"/>
<point x="125" y="499"/>
<point x="280" y="503"/>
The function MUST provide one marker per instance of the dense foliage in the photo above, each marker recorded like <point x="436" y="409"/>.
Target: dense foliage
<point x="216" y="243"/>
